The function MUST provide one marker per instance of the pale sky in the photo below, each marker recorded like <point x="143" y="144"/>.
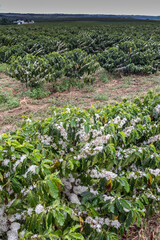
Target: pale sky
<point x="142" y="7"/>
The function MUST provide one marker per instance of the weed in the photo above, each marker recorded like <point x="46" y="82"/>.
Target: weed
<point x="101" y="97"/>
<point x="37" y="93"/>
<point x="3" y="68"/>
<point x="103" y="77"/>
<point x="67" y="84"/>
<point x="89" y="79"/>
<point x="9" y="103"/>
<point x="89" y="89"/>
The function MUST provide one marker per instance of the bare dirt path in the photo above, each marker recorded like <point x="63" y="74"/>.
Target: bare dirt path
<point x="104" y="90"/>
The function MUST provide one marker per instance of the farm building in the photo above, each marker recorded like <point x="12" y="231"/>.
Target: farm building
<point x="19" y="22"/>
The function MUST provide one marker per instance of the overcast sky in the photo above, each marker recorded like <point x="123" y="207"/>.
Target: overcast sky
<point x="143" y="7"/>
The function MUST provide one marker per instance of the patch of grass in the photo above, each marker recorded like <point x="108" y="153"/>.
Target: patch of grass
<point x="3" y="67"/>
<point x="11" y="102"/>
<point x="37" y="93"/>
<point x="3" y="98"/>
<point x="67" y="84"/>
<point x="117" y="98"/>
<point x="7" y="101"/>
<point x="101" y="97"/>
<point x="157" y="89"/>
<point x="104" y="77"/>
<point x="89" y="89"/>
<point x="123" y="85"/>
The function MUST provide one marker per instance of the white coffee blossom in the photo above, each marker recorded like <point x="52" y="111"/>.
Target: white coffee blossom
<point x="12" y="235"/>
<point x="94" y="173"/>
<point x="39" y="209"/>
<point x="5" y="162"/>
<point x="79" y="189"/>
<point x="115" y="224"/>
<point x="31" y="169"/>
<point x="155" y="172"/>
<point x="15" y="226"/>
<point x="74" y="198"/>
<point x="29" y="211"/>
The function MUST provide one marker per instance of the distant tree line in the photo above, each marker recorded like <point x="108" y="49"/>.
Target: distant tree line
<point x="5" y="21"/>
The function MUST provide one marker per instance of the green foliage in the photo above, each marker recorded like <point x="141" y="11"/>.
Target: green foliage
<point x="82" y="174"/>
<point x="34" y="71"/>
<point x="79" y="62"/>
<point x="127" y="58"/>
<point x="56" y="66"/>
<point x="3" y="98"/>
<point x="50" y="51"/>
<point x="89" y="79"/>
<point x="30" y="70"/>
<point x="7" y="101"/>
<point x="3" y="68"/>
<point x="36" y="93"/>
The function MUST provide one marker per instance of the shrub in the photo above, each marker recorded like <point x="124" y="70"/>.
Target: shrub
<point x="78" y="63"/>
<point x="30" y="70"/>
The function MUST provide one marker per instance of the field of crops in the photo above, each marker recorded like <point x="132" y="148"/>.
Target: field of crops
<point x="80" y="174"/>
<point x="45" y="52"/>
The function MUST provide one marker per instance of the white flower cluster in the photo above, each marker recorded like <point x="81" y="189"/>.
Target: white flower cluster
<point x="22" y="158"/>
<point x="128" y="130"/>
<point x="39" y="209"/>
<point x="137" y="174"/>
<point x="122" y="122"/>
<point x="106" y="198"/>
<point x="5" y="162"/>
<point x="31" y="169"/>
<point x="155" y="172"/>
<point x="134" y="121"/>
<point x="83" y="136"/>
<point x="62" y="130"/>
<point x="94" y="173"/>
<point x="8" y="224"/>
<point x="98" y="222"/>
<point x="25" y="190"/>
<point x="13" y="232"/>
<point x="45" y="139"/>
<point x="95" y="146"/>
<point x="29" y="211"/>
<point x="152" y="140"/>
<point x="117" y="120"/>
<point x="16" y="216"/>
<point x="133" y="168"/>
<point x="150" y="195"/>
<point x="73" y="189"/>
<point x="125" y="153"/>
<point x="157" y="109"/>
<point x="96" y="133"/>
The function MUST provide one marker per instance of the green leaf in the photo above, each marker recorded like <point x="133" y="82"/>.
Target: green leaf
<point x="53" y="188"/>
<point x="86" y="128"/>
<point x="59" y="217"/>
<point x="129" y="219"/>
<point x="125" y="204"/>
<point x="76" y="236"/>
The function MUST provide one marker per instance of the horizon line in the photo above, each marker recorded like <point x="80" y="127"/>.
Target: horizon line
<point x="103" y="14"/>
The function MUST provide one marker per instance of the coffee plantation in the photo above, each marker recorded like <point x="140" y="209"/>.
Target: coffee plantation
<point x="47" y="51"/>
